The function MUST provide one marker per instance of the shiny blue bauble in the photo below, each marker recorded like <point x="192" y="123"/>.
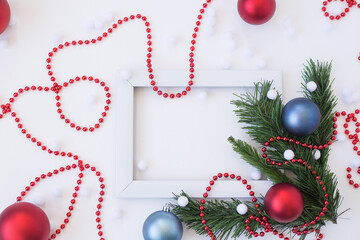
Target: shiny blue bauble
<point x="301" y="117"/>
<point x="162" y="225"/>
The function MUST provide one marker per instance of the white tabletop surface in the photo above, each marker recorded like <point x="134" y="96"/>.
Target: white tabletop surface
<point x="297" y="32"/>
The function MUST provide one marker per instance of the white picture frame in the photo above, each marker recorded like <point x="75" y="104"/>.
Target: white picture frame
<point x="126" y="185"/>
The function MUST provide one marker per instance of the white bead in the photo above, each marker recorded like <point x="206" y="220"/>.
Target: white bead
<point x="210" y="12"/>
<point x="290" y="32"/>
<point x="355" y="162"/>
<point x="39" y="201"/>
<point x="247" y="52"/>
<point x="56" y="38"/>
<point x="202" y="95"/>
<point x="272" y="94"/>
<point x="231" y="45"/>
<point x="84" y="192"/>
<point x="242" y="209"/>
<point x="55" y="146"/>
<point x="287" y="23"/>
<point x="125" y="75"/>
<point x="226" y="65"/>
<point x="4" y="44"/>
<point x="142" y="165"/>
<point x="317" y="154"/>
<point x="355" y="97"/>
<point x="311" y="86"/>
<point x="340" y="137"/>
<point x="289" y="154"/>
<point x="56" y="193"/>
<point x="261" y="64"/>
<point x="183" y="201"/>
<point x="117" y="214"/>
<point x="256" y="175"/>
<point x="109" y="17"/>
<point x="327" y="26"/>
<point x="91" y="99"/>
<point x="98" y="24"/>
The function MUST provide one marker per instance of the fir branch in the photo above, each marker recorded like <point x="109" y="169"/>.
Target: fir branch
<point x="262" y="119"/>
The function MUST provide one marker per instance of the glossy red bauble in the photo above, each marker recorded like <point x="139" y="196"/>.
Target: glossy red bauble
<point x="24" y="221"/>
<point x="284" y="202"/>
<point x="256" y="12"/>
<point x="4" y="15"/>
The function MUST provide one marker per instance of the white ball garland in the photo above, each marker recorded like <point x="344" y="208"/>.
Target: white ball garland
<point x="183" y="201"/>
<point x="256" y="175"/>
<point x="289" y="154"/>
<point x="272" y="94"/>
<point x="242" y="209"/>
<point x="311" y="86"/>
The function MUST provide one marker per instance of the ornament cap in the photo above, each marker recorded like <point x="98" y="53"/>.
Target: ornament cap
<point x="166" y="207"/>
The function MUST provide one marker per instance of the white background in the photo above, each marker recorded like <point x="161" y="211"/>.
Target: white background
<point x="23" y="63"/>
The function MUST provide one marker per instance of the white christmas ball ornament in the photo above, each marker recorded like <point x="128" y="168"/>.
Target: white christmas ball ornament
<point x="311" y="86"/>
<point x="289" y="154"/>
<point x="242" y="209"/>
<point x="317" y="154"/>
<point x="183" y="201"/>
<point x="142" y="165"/>
<point x="355" y="162"/>
<point x="271" y="94"/>
<point x="256" y="175"/>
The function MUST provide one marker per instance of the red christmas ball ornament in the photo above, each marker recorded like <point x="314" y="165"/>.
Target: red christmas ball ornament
<point x="24" y="221"/>
<point x="256" y="12"/>
<point x="284" y="202"/>
<point x="4" y="15"/>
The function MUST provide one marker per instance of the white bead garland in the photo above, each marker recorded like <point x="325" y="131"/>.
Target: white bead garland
<point x="183" y="201"/>
<point x="271" y="94"/>
<point x="242" y="209"/>
<point x="311" y="86"/>
<point x="289" y="154"/>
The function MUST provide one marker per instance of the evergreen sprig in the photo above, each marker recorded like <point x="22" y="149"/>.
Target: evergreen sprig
<point x="262" y="119"/>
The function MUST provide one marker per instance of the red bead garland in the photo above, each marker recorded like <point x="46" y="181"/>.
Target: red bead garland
<point x="350" y="4"/>
<point x="350" y="117"/>
<point x="58" y="87"/>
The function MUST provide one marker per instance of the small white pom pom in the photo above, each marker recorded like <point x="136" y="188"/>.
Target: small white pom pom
<point x="261" y="64"/>
<point x="142" y="165"/>
<point x="211" y="12"/>
<point x="290" y="32"/>
<point x="272" y="94"/>
<point x="4" y="44"/>
<point x="84" y="192"/>
<point x="91" y="99"/>
<point x="311" y="86"/>
<point x="247" y="52"/>
<point x="90" y="25"/>
<point x="13" y="21"/>
<point x="117" y="214"/>
<point x="355" y="97"/>
<point x="55" y="146"/>
<point x="226" y="65"/>
<point x="171" y="41"/>
<point x="56" y="38"/>
<point x="289" y="154"/>
<point x="317" y="154"/>
<point x="98" y="24"/>
<point x="327" y="26"/>
<point x="56" y="193"/>
<point x="52" y="225"/>
<point x="256" y="175"/>
<point x="242" y="209"/>
<point x="340" y="137"/>
<point x="109" y="17"/>
<point x="183" y="201"/>
<point x="202" y="95"/>
<point x="124" y="75"/>
<point x="39" y="201"/>
<point x="355" y="162"/>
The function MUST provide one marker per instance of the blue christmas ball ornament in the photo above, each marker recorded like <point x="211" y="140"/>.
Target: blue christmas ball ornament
<point x="301" y="117"/>
<point x="162" y="225"/>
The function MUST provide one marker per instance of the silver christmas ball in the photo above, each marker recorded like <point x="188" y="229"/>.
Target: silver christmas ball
<point x="162" y="225"/>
